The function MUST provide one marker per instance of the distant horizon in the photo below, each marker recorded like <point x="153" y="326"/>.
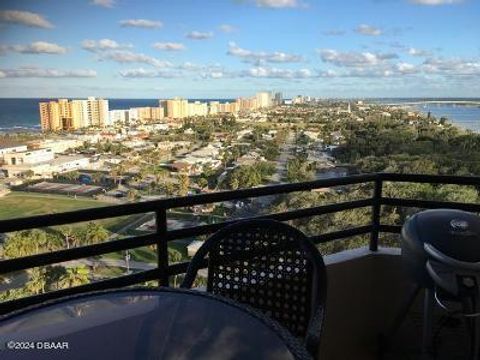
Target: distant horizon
<point x="233" y="98"/>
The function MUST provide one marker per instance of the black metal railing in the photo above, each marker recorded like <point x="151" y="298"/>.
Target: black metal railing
<point x="162" y="235"/>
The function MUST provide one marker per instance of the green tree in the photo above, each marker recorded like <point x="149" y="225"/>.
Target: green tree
<point x="75" y="276"/>
<point x="202" y="182"/>
<point x="37" y="281"/>
<point x="53" y="274"/>
<point x="183" y="184"/>
<point x="132" y="195"/>
<point x="174" y="256"/>
<point x="29" y="242"/>
<point x="95" y="234"/>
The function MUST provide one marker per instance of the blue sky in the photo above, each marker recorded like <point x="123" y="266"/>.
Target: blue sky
<point x="229" y="48"/>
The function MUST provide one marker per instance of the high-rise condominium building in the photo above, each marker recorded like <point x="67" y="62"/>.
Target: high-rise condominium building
<point x="278" y="98"/>
<point x="79" y="110"/>
<point x="50" y="116"/>
<point x="97" y="110"/>
<point x="213" y="107"/>
<point x="197" y="109"/>
<point x="75" y="114"/>
<point x="247" y="104"/>
<point x="176" y="108"/>
<point x="228" y="107"/>
<point x="119" y="117"/>
<point x="145" y="114"/>
<point x="263" y="99"/>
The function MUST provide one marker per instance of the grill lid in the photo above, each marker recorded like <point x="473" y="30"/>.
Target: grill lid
<point x="454" y="233"/>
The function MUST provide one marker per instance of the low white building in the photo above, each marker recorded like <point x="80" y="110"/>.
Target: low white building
<point x="29" y="157"/>
<point x="11" y="148"/>
<point x="46" y="169"/>
<point x="57" y="145"/>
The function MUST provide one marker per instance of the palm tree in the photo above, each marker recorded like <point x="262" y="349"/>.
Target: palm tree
<point x="53" y="276"/>
<point x="132" y="195"/>
<point x="17" y="246"/>
<point x="75" y="276"/>
<point x="37" y="283"/>
<point x="184" y="184"/>
<point x="174" y="256"/>
<point x="26" y="243"/>
<point x="67" y="234"/>
<point x="95" y="234"/>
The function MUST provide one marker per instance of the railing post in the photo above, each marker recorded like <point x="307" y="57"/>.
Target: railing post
<point x="162" y="246"/>
<point x="377" y="196"/>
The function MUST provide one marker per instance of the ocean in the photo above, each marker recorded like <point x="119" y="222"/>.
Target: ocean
<point x="22" y="114"/>
<point x="466" y="117"/>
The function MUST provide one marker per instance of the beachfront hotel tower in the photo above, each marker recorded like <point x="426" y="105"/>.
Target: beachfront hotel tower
<point x="75" y="114"/>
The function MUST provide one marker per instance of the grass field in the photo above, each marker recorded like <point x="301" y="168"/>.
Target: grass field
<point x="20" y="204"/>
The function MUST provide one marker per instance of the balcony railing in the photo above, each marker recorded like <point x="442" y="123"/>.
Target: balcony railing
<point x="163" y="235"/>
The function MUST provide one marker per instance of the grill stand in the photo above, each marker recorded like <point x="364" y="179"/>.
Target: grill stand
<point x="428" y="310"/>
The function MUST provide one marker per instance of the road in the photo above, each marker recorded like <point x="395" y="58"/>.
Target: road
<point x="257" y="204"/>
<point x="285" y="155"/>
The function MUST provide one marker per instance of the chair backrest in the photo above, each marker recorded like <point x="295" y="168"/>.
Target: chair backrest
<point x="268" y="265"/>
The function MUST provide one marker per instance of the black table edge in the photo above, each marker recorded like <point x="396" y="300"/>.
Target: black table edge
<point x="294" y="345"/>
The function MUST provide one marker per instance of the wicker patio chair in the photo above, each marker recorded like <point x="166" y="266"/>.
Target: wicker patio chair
<point x="272" y="267"/>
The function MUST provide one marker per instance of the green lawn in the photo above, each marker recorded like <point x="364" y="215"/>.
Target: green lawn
<point x="20" y="204"/>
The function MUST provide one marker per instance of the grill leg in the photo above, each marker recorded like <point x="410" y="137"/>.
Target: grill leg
<point x="428" y="305"/>
<point x="476" y="339"/>
<point x="386" y="338"/>
<point x="403" y="311"/>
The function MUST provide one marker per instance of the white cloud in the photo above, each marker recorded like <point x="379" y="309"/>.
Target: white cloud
<point x="452" y="66"/>
<point x="436" y="2"/>
<point x="190" y="66"/>
<point x="354" y="59"/>
<point x="169" y="46"/>
<point x="125" y="57"/>
<point x="104" y="3"/>
<point x="368" y="30"/>
<point x="275" y="73"/>
<point x="38" y="47"/>
<point x="278" y="4"/>
<point x="36" y="72"/>
<point x="143" y="73"/>
<point x="434" y="68"/>
<point x="25" y="18"/>
<point x="103" y="45"/>
<point x="406" y="68"/>
<point x="387" y="70"/>
<point x="226" y="28"/>
<point x="418" y="52"/>
<point x="334" y="32"/>
<point x="215" y="74"/>
<point x="262" y="56"/>
<point x="141" y="23"/>
<point x="199" y="35"/>
<point x="365" y="64"/>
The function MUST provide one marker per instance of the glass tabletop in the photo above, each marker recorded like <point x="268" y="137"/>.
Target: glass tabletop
<point x="145" y="324"/>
